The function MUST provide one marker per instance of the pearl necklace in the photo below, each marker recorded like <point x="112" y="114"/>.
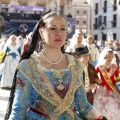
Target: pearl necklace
<point x="53" y="62"/>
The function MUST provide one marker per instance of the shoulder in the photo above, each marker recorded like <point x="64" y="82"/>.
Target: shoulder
<point x="114" y="66"/>
<point x="73" y="61"/>
<point x="91" y="65"/>
<point x="25" y="64"/>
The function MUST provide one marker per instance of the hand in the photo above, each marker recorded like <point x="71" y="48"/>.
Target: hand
<point x="102" y="118"/>
<point x="92" y="86"/>
<point x="99" y="81"/>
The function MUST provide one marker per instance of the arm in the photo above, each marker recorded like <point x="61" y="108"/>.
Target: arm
<point x="97" y="80"/>
<point x="82" y="106"/>
<point x="21" y="99"/>
<point x="97" y="53"/>
<point x="19" y="50"/>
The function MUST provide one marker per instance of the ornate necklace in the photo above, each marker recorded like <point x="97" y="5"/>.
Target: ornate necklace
<point x="52" y="63"/>
<point x="59" y="77"/>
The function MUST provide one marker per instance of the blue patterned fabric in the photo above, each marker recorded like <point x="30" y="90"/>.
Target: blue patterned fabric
<point x="31" y="92"/>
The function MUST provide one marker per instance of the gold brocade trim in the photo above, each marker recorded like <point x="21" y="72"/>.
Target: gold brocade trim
<point x="41" y="84"/>
<point x="92" y="115"/>
<point x="108" y="80"/>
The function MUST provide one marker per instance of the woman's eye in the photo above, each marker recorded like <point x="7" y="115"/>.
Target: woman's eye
<point x="52" y="28"/>
<point x="63" y="29"/>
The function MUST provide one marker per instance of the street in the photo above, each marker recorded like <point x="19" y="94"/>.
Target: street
<point x="4" y="96"/>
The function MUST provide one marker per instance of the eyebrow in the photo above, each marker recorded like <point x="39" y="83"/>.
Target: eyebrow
<point x="61" y="25"/>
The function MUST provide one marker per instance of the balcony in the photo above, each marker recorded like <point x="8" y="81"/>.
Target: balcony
<point x="114" y="23"/>
<point x="96" y="11"/>
<point x="114" y="7"/>
<point x="104" y="9"/>
<point x="95" y="26"/>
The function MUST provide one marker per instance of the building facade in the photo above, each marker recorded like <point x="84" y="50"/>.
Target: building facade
<point x="105" y="18"/>
<point x="81" y="11"/>
<point x="78" y="9"/>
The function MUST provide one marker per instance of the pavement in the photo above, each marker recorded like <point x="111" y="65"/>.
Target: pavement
<point x="4" y="96"/>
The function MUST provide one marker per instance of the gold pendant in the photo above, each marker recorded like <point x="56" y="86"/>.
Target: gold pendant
<point x="60" y="87"/>
<point x="52" y="68"/>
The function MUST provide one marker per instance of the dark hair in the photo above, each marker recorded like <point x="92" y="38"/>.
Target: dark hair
<point x="36" y="36"/>
<point x="107" y="53"/>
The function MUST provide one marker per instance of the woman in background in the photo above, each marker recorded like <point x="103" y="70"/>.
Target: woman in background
<point x="13" y="51"/>
<point x="75" y="42"/>
<point x="107" y="96"/>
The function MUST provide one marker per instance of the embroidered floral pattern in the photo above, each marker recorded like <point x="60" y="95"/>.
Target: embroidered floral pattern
<point x="19" y="82"/>
<point x="42" y="85"/>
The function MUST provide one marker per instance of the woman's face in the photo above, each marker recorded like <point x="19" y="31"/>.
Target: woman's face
<point x="79" y="38"/>
<point x="109" y="57"/>
<point x="90" y="40"/>
<point x="13" y="39"/>
<point x="54" y="33"/>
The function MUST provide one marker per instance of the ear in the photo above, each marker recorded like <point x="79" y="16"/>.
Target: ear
<point x="41" y="33"/>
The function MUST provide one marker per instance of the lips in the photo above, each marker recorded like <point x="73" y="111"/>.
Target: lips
<point x="58" y="39"/>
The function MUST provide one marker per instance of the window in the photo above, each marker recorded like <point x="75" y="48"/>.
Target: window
<point x="84" y="12"/>
<point x="104" y="37"/>
<point x="115" y="5"/>
<point x="77" y="12"/>
<point x="114" y="22"/>
<point x="114" y="36"/>
<point x="104" y="20"/>
<point x="77" y="22"/>
<point x="84" y="22"/>
<point x="95" y="37"/>
<point x="105" y="7"/>
<point x="96" y="23"/>
<point x="96" y="8"/>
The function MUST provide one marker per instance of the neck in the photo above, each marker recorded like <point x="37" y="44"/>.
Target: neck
<point x="79" y="45"/>
<point x="53" y="57"/>
<point x="107" y="64"/>
<point x="85" y="63"/>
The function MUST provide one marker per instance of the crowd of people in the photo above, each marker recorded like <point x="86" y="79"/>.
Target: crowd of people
<point x="58" y="79"/>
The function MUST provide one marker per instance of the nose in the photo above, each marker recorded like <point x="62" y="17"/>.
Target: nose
<point x="58" y="32"/>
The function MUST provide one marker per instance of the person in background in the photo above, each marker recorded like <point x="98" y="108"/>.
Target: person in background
<point x="26" y="43"/>
<point x="21" y="40"/>
<point x="107" y="96"/>
<point x="94" y="52"/>
<point x="2" y="44"/>
<point x="90" y="77"/>
<point x="109" y="44"/>
<point x="75" y="42"/>
<point x="96" y="44"/>
<point x="49" y="84"/>
<point x="13" y="52"/>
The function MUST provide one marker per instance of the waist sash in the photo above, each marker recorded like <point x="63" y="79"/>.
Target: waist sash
<point x="108" y="80"/>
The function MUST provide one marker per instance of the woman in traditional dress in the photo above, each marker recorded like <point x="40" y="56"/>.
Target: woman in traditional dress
<point x="49" y="84"/>
<point x="13" y="51"/>
<point x="75" y="42"/>
<point x="107" y="96"/>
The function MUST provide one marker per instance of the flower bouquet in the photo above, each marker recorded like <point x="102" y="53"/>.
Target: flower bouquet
<point x="117" y="82"/>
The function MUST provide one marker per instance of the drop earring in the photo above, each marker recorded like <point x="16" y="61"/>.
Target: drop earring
<point x="43" y="42"/>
